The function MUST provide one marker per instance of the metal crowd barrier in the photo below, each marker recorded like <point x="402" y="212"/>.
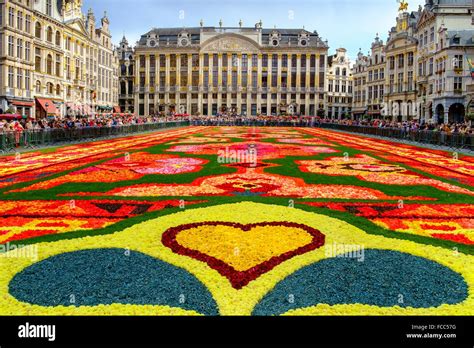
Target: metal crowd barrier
<point x="434" y="138"/>
<point x="10" y="141"/>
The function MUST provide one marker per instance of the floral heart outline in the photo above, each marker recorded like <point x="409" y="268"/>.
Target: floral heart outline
<point x="240" y="279"/>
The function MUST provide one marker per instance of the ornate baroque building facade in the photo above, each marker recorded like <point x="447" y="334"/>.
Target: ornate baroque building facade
<point x="244" y="70"/>
<point x="339" y="85"/>
<point x="427" y="66"/>
<point x="400" y="91"/>
<point x="54" y="59"/>
<point x="126" y="55"/>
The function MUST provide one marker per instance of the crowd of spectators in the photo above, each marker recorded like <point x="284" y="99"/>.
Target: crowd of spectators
<point x="78" y="122"/>
<point x="115" y="120"/>
<point x="451" y="128"/>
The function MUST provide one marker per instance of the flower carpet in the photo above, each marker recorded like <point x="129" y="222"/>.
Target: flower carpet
<point x="237" y="221"/>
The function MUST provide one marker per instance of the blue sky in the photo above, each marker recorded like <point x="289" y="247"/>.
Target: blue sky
<point x="345" y="23"/>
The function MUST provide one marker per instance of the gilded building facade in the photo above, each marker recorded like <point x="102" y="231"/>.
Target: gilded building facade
<point x="59" y="62"/>
<point x="426" y="65"/>
<point x="400" y="95"/>
<point x="241" y="70"/>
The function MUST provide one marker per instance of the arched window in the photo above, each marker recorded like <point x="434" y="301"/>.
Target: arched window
<point x="58" y="38"/>
<point x="49" y="65"/>
<point x="50" y="88"/>
<point x="38" y="30"/>
<point x="338" y="72"/>
<point x="58" y="89"/>
<point x="376" y="59"/>
<point x="49" y="34"/>
<point x="344" y="72"/>
<point x="38" y="87"/>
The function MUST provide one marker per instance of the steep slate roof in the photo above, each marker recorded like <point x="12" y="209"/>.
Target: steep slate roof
<point x="289" y="37"/>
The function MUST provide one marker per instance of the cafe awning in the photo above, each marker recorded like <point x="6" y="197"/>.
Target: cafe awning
<point x="48" y="106"/>
<point x="22" y="103"/>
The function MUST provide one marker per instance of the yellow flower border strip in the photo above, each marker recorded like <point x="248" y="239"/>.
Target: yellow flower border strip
<point x="146" y="238"/>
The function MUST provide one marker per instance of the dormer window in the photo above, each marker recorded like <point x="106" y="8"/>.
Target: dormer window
<point x="183" y="39"/>
<point x="303" y="39"/>
<point x="152" y="40"/>
<point x="275" y="38"/>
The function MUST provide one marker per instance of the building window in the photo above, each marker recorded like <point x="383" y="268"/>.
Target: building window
<point x="49" y="8"/>
<point x="322" y="61"/>
<point x="244" y="62"/>
<point x="11" y="17"/>
<point x="27" y="80"/>
<point x="400" y="83"/>
<point x="19" y="78"/>
<point x="19" y="20"/>
<point x="10" y="76"/>
<point x="49" y="34"/>
<point x="38" y="30"/>
<point x="184" y="61"/>
<point x="58" y="65"/>
<point x="58" y="38"/>
<point x="38" y="87"/>
<point x="254" y="60"/>
<point x="195" y="60"/>
<point x="38" y="60"/>
<point x="458" y="61"/>
<point x="49" y="65"/>
<point x="28" y="51"/>
<point x="303" y="61"/>
<point x="275" y="61"/>
<point x="410" y="58"/>
<point x="410" y="81"/>
<point x="19" y="48"/>
<point x="401" y="61"/>
<point x="457" y="84"/>
<point x="28" y="24"/>
<point x="11" y="46"/>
